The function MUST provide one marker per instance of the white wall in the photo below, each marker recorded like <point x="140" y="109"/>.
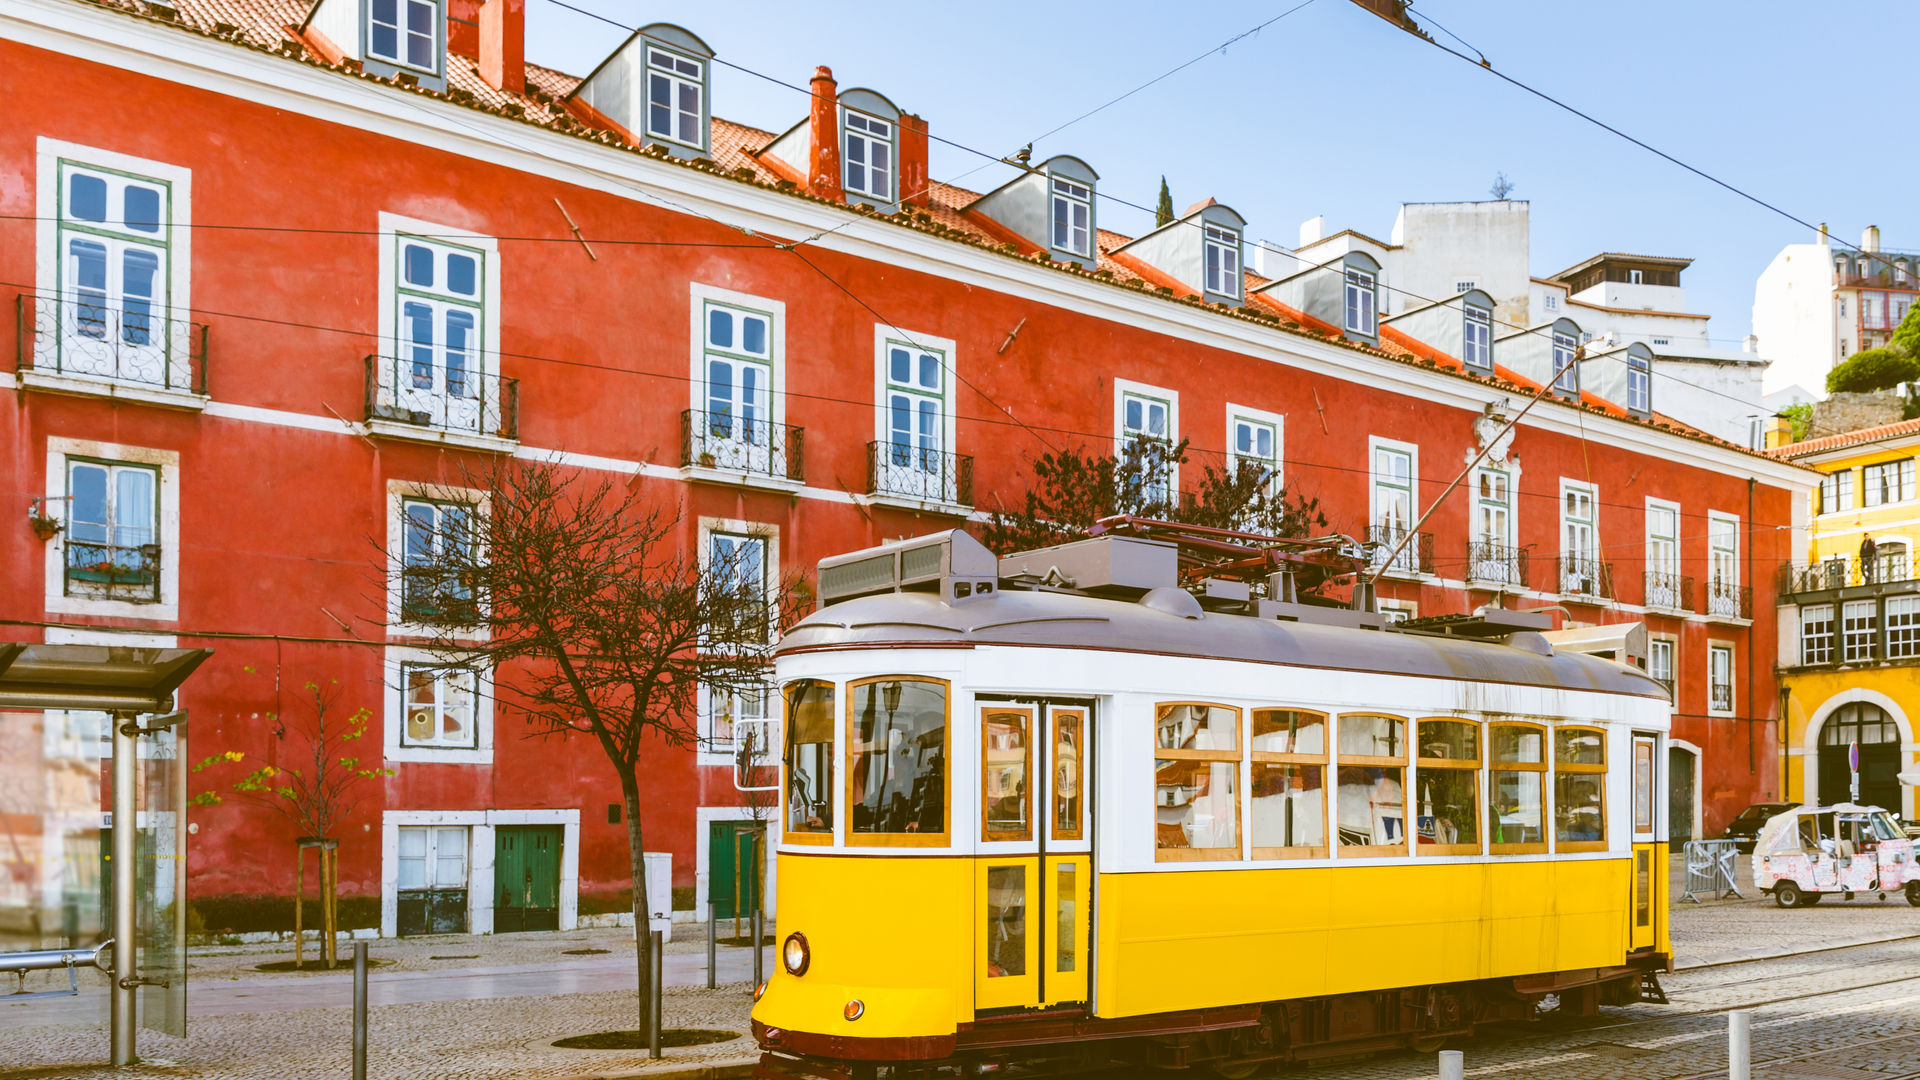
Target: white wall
<point x="1487" y="243"/>
<point x="1709" y="395"/>
<point x="1793" y="316"/>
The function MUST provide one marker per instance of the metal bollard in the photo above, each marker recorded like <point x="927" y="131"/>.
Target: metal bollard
<point x="759" y="946"/>
<point x="712" y="951"/>
<point x="653" y="975"/>
<point x="1740" y="1045"/>
<point x="1453" y="1065"/>
<point x="359" y="1010"/>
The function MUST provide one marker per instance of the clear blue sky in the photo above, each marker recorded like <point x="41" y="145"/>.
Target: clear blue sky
<point x="1332" y="111"/>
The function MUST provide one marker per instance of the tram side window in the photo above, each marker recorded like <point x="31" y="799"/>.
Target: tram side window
<point x="1579" y="789"/>
<point x="1196" y="782"/>
<point x="809" y="759"/>
<point x="1447" y="788"/>
<point x="1006" y="765"/>
<point x="1372" y="784"/>
<point x="1289" y="803"/>
<point x="1516" y="791"/>
<point x="897" y="761"/>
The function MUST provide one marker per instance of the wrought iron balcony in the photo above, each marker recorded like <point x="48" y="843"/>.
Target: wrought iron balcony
<point x="124" y="341"/>
<point x="1501" y="566"/>
<point x="1413" y="559"/>
<point x="715" y="440"/>
<point x="1726" y="600"/>
<point x="457" y="397"/>
<point x="1669" y="592"/>
<point x="1586" y="579"/>
<point x="101" y="570"/>
<point x="1720" y="697"/>
<point x="1845" y="572"/>
<point x="903" y="471"/>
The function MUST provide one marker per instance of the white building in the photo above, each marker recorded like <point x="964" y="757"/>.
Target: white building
<point x="1817" y="304"/>
<point x="1439" y="251"/>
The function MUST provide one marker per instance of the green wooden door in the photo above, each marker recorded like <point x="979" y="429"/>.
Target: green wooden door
<point x="733" y="856"/>
<point x="526" y="878"/>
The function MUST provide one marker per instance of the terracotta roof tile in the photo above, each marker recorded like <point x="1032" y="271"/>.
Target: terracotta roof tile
<point x="1847" y="438"/>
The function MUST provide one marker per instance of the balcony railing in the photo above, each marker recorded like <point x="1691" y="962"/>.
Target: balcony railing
<point x="1415" y="558"/>
<point x="714" y="440"/>
<point x="1497" y="565"/>
<point x="1586" y="579"/>
<point x="101" y="570"/>
<point x="1726" y="600"/>
<point x="1845" y="571"/>
<point x="1669" y="592"/>
<point x="443" y="397"/>
<point x="1720" y="697"/>
<point x="904" y="471"/>
<point x="115" y="340"/>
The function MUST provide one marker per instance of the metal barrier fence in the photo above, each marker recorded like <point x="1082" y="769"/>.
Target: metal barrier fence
<point x="1711" y="868"/>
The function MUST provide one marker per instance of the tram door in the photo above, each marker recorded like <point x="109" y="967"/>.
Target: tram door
<point x="1034" y="884"/>
<point x="1649" y="870"/>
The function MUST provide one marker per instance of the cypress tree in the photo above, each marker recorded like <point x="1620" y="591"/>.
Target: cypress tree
<point x="1163" y="212"/>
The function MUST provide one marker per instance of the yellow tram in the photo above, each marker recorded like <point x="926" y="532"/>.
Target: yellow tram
<point x="1060" y="806"/>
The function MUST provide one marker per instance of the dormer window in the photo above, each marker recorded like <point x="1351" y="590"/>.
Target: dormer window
<point x="675" y="86"/>
<point x="869" y="156"/>
<point x="1476" y="349"/>
<point x="1639" y="385"/>
<point x="1223" y="261"/>
<point x="1072" y="217"/>
<point x="1360" y="302"/>
<point x="1566" y="379"/>
<point x="405" y="32"/>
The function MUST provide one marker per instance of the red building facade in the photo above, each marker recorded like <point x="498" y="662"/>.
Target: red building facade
<point x="272" y="291"/>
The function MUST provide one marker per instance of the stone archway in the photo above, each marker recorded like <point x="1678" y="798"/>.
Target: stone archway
<point x="1840" y="709"/>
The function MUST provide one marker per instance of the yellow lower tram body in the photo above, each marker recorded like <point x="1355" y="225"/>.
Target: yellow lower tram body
<point x="1219" y="968"/>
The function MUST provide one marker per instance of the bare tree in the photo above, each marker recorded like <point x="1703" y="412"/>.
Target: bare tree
<point x="600" y="621"/>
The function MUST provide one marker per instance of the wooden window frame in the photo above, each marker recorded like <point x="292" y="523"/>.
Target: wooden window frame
<point x="788" y="833"/>
<point x="1236" y="757"/>
<point x="987" y="833"/>
<point x="1257" y="758"/>
<point x="1600" y="770"/>
<point x="1079" y="830"/>
<point x="866" y="839"/>
<point x="1363" y="851"/>
<point x="1542" y="766"/>
<point x="1473" y="765"/>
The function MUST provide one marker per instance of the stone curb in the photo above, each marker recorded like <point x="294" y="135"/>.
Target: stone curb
<point x="724" y="1069"/>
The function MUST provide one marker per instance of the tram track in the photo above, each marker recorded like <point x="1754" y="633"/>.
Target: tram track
<point x="1909" y="1036"/>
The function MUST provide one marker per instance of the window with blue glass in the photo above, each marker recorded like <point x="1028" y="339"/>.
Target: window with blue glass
<point x="914" y="456"/>
<point x="869" y="156"/>
<point x="737" y="432"/>
<point x="1566" y="377"/>
<point x="1361" y="298"/>
<point x="1146" y="438"/>
<point x="405" y="32"/>
<point x="1476" y="349"/>
<point x="440" y="307"/>
<point x="114" y="264"/>
<point x="437" y="541"/>
<point x="112" y="529"/>
<point x="676" y="91"/>
<point x="1639" y="385"/>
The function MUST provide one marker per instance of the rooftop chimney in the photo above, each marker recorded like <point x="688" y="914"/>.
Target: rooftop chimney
<point x="1313" y="229"/>
<point x="503" y="45"/>
<point x="1870" y="238"/>
<point x="1751" y="343"/>
<point x="463" y="28"/>
<point x="823" y="129"/>
<point x="913" y="161"/>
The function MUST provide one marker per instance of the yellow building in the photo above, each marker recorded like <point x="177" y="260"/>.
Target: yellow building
<point x="1850" y="622"/>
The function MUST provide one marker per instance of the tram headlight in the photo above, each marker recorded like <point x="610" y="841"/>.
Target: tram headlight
<point x="855" y="1009"/>
<point x="794" y="954"/>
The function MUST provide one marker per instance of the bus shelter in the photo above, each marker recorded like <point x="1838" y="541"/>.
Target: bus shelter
<point x="97" y="871"/>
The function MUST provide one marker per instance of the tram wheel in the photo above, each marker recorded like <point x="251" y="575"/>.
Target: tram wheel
<point x="1431" y="1044"/>
<point x="1913" y="893"/>
<point x="1787" y="895"/>
<point x="1243" y="1070"/>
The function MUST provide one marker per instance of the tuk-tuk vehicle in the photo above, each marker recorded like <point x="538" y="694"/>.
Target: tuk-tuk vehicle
<point x="1809" y="851"/>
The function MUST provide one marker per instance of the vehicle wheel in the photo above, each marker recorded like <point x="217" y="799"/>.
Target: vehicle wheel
<point x="1431" y="1044"/>
<point x="1913" y="893"/>
<point x="1236" y="1070"/>
<point x="1787" y="895"/>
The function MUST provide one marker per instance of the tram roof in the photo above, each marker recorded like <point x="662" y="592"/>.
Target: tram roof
<point x="1072" y="621"/>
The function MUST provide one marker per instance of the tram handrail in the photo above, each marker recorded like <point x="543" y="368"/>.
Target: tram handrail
<point x="55" y="959"/>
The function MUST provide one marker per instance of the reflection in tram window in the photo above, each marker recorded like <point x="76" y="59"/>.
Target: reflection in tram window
<point x="1289" y="808"/>
<point x="1367" y="735"/>
<point x="1448" y="787"/>
<point x="1579" y="789"/>
<point x="1005" y="758"/>
<point x="1516" y="793"/>
<point x="1066" y="900"/>
<point x="1006" y="921"/>
<point x="1289" y="731"/>
<point x="1198" y="727"/>
<point x="809" y="757"/>
<point x="1196" y="785"/>
<point x="1372" y="799"/>
<point x="896" y="758"/>
<point x="1069" y="735"/>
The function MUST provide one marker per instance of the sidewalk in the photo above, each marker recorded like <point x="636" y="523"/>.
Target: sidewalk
<point x="1734" y="931"/>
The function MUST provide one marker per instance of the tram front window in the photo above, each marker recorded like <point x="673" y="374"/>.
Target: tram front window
<point x="896" y="759"/>
<point x="809" y="757"/>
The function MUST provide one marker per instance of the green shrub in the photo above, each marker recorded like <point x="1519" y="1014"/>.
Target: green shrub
<point x="1872" y="369"/>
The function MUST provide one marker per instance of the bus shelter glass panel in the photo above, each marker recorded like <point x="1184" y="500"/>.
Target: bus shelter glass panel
<point x="55" y="881"/>
<point x="160" y="880"/>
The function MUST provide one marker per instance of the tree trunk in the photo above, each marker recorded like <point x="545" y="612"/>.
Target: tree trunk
<point x="637" y="854"/>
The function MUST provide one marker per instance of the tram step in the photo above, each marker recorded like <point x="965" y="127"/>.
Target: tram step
<point x="1650" y="988"/>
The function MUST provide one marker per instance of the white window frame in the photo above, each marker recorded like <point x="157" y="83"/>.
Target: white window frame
<point x="50" y="259"/>
<point x="1379" y="497"/>
<point x="947" y="350"/>
<point x="1226" y="264"/>
<point x="1127" y="388"/>
<point x="702" y="298"/>
<point x="401" y="33"/>
<point x="1903" y="627"/>
<point x="1635" y="277"/>
<point x="1817" y="645"/>
<point x="1071" y="195"/>
<point x="1836" y="492"/>
<point x="1476" y="337"/>
<point x="869" y="139"/>
<point x="1565" y="348"/>
<point x="1238" y="415"/>
<point x="711" y="749"/>
<point x="1731" y="562"/>
<point x="1670" y="567"/>
<point x="395" y="662"/>
<point x="1639" y="385"/>
<point x="393" y="229"/>
<point x="1361" y="313"/>
<point x="1507" y="503"/>
<point x="167" y="531"/>
<point x="399" y="493"/>
<point x="677" y="79"/>
<point x="480" y="885"/>
<point x="1579" y="538"/>
<point x="1859" y="634"/>
<point x="1875" y="494"/>
<point x="1657" y="644"/>
<point x="1716" y="649"/>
